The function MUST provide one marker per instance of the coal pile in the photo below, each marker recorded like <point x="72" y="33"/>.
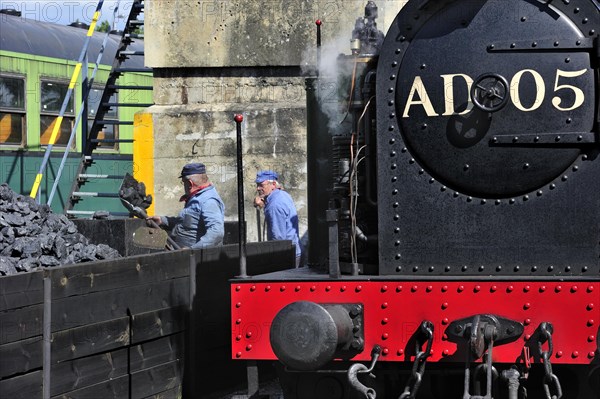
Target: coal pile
<point x="32" y="236"/>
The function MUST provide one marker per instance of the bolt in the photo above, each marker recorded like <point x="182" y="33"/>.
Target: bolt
<point x="356" y="344"/>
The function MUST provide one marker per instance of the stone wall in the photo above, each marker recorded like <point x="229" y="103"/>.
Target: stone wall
<point x="213" y="59"/>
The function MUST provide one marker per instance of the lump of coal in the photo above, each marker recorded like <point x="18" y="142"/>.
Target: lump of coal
<point x="31" y="236"/>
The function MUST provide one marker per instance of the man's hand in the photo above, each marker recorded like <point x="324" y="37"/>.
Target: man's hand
<point x="152" y="220"/>
<point x="259" y="202"/>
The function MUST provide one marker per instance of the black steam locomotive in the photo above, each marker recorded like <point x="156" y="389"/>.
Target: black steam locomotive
<point x="454" y="213"/>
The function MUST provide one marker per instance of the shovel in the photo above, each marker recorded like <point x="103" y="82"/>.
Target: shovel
<point x="141" y="213"/>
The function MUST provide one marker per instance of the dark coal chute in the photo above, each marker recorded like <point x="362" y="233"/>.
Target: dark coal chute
<point x="32" y="236"/>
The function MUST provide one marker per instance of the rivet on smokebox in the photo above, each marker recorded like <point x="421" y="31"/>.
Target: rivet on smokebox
<point x="138" y="267"/>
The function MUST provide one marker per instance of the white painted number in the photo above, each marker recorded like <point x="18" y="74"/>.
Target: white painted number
<point x="579" y="97"/>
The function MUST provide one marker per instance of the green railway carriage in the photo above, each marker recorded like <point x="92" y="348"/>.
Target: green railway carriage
<point x="37" y="61"/>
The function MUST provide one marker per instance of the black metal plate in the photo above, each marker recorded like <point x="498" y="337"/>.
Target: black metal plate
<point x="450" y="200"/>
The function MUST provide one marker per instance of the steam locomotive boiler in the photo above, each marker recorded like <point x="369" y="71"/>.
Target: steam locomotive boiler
<point x="454" y="213"/>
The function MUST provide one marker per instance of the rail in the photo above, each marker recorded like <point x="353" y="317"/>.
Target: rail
<point x="63" y="108"/>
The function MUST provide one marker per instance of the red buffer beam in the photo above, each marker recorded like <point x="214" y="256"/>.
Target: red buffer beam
<point x="394" y="310"/>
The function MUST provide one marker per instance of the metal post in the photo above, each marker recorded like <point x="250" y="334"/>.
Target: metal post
<point x="240" y="192"/>
<point x="318" y="23"/>
<point x="258" y="226"/>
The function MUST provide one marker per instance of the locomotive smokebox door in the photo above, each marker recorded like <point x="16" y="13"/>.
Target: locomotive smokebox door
<point x="488" y="132"/>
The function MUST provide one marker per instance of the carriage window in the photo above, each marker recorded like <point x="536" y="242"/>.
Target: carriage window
<point x="110" y="132"/>
<point x="52" y="97"/>
<point x="12" y="110"/>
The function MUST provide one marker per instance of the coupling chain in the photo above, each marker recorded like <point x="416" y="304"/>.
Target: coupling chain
<point x="418" y="369"/>
<point x="551" y="383"/>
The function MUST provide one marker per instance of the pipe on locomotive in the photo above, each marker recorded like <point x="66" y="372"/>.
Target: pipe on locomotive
<point x="318" y="155"/>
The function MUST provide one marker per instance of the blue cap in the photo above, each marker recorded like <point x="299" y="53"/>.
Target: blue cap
<point x="193" y="169"/>
<point x="265" y="175"/>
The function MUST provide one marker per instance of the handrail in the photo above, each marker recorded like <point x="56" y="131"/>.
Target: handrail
<point x="63" y="108"/>
<point x="81" y="108"/>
